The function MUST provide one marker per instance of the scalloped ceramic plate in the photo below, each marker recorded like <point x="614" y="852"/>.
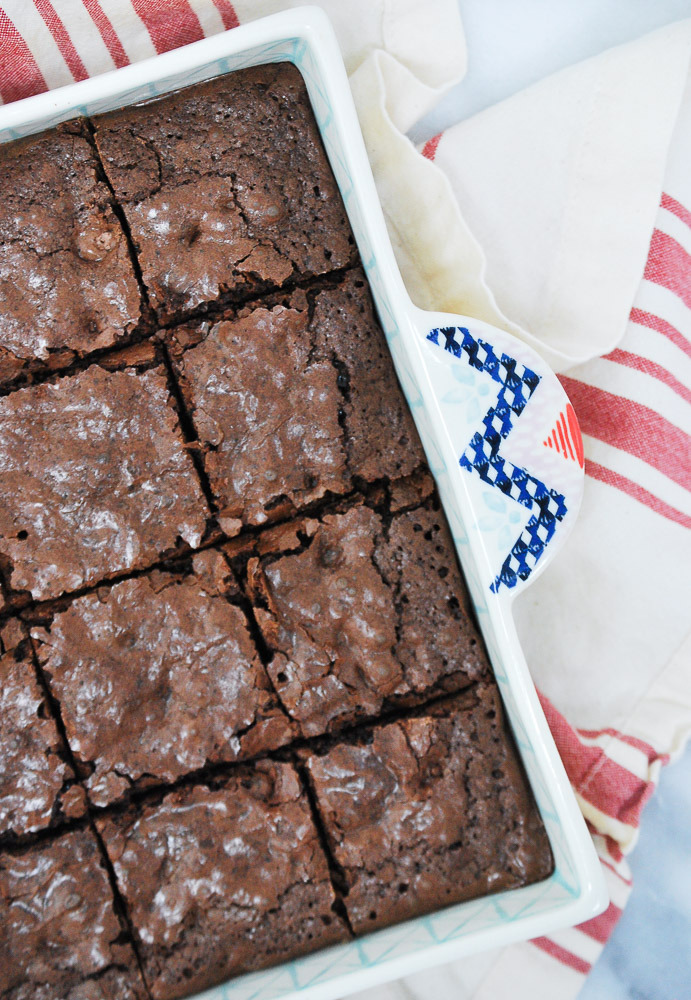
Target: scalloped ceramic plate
<point x="504" y="447"/>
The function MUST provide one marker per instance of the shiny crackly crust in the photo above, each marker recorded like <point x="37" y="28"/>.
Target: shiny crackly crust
<point x="358" y="615"/>
<point x="226" y="188"/>
<point x="223" y="880"/>
<point x="427" y="811"/>
<point x="170" y="663"/>
<point x="67" y="284"/>
<point x="96" y="480"/>
<point x="59" y="933"/>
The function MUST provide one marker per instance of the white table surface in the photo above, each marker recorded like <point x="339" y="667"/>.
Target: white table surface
<point x="511" y="44"/>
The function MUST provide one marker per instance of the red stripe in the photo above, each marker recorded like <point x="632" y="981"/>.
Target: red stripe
<point x="556" y="442"/>
<point x="107" y="33"/>
<point x="430" y="148"/>
<point x="669" y="265"/>
<point x="632" y="427"/>
<point x="648" y="367"/>
<point x="633" y="741"/>
<point x="612" y="868"/>
<point x="562" y="424"/>
<point x="170" y="23"/>
<point x="636" y="491"/>
<point x="19" y="73"/>
<point x="562" y="955"/>
<point x="614" y="790"/>
<point x="661" y="326"/>
<point x="561" y="438"/>
<point x="600" y="928"/>
<point x="676" y="208"/>
<point x="575" y="433"/>
<point x="62" y="39"/>
<point x="227" y="12"/>
<point x="608" y="786"/>
<point x="614" y="848"/>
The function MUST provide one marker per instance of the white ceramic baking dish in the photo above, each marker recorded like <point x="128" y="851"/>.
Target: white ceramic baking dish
<point x="505" y="450"/>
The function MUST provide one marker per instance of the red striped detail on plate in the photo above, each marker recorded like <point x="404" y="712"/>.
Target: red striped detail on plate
<point x="566" y="436"/>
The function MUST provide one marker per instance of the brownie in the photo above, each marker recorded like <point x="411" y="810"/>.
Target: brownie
<point x="226" y="188"/>
<point x="293" y="401"/>
<point x="265" y="412"/>
<point x="382" y="440"/>
<point x="60" y="936"/>
<point x="37" y="785"/>
<point x="170" y="663"/>
<point x="358" y="615"/>
<point x="223" y="880"/>
<point x="67" y="286"/>
<point x="428" y="811"/>
<point x="96" y="480"/>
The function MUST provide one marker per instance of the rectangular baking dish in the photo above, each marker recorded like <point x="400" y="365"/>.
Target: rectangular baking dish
<point x="486" y="406"/>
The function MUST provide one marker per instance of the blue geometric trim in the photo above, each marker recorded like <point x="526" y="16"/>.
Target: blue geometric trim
<point x="518" y="384"/>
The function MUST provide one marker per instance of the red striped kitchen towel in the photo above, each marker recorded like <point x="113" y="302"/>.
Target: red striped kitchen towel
<point x="611" y="697"/>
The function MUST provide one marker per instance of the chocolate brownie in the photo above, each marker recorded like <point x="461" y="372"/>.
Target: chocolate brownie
<point x="67" y="286"/>
<point x="266" y="413"/>
<point x="358" y="616"/>
<point x="382" y="440"/>
<point x="170" y="663"/>
<point x="226" y="188"/>
<point x="223" y="880"/>
<point x="428" y="811"/>
<point x="96" y="480"/>
<point x="60" y="936"/>
<point x="294" y="401"/>
<point x="37" y="785"/>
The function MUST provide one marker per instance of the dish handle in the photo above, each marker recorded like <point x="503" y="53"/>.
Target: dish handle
<point x="511" y="451"/>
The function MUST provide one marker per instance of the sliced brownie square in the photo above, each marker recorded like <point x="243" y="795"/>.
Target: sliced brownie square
<point x="67" y="285"/>
<point x="170" y="663"/>
<point x="226" y="188"/>
<point x="361" y="614"/>
<point x="60" y="935"/>
<point x="429" y="810"/>
<point x="96" y="480"/>
<point x="37" y="785"/>
<point x="223" y="880"/>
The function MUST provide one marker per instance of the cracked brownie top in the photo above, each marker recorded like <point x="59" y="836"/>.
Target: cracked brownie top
<point x="359" y="614"/>
<point x="226" y="188"/>
<point x="96" y="480"/>
<point x="59" y="933"/>
<point x="37" y="786"/>
<point x="67" y="285"/>
<point x="170" y="663"/>
<point x="428" y="810"/>
<point x="222" y="880"/>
